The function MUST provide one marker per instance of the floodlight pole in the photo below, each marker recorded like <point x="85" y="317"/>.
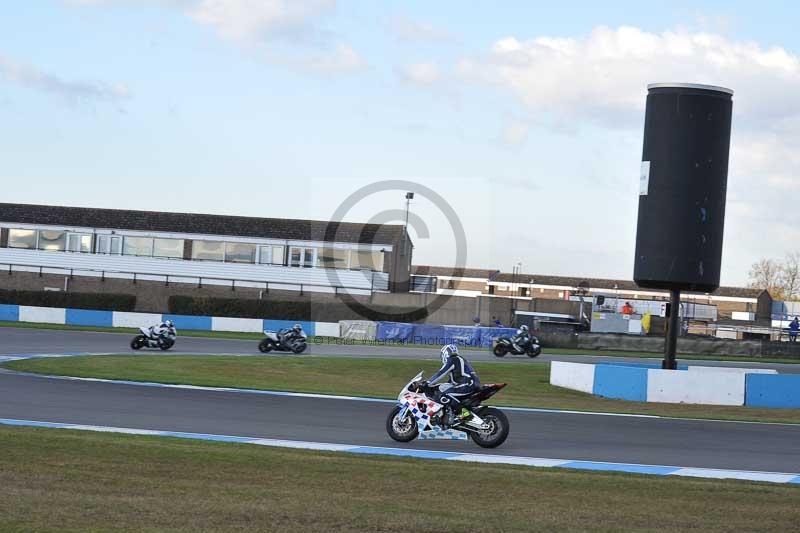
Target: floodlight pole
<point x="671" y="344"/>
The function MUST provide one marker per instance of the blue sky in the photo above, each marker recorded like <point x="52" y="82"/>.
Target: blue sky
<point x="525" y="116"/>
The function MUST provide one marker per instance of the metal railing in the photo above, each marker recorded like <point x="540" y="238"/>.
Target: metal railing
<point x="167" y="278"/>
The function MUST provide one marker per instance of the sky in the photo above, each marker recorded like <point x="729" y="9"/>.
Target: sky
<point x="524" y="117"/>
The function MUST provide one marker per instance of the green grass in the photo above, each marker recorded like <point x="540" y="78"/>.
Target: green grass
<point x="528" y="384"/>
<point x="59" y="480"/>
<point x="325" y="340"/>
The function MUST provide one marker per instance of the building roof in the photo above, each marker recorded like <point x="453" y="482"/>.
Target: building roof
<point x="223" y="225"/>
<point x="425" y="270"/>
<point x="611" y="284"/>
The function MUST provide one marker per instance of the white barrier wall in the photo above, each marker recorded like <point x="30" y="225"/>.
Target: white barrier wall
<point x="327" y="329"/>
<point x="135" y="320"/>
<point x="732" y="370"/>
<point x="42" y="315"/>
<point x="711" y="388"/>
<point x="247" y="325"/>
<point x="575" y="376"/>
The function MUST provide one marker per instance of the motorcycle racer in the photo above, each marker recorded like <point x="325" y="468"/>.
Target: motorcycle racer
<point x="463" y="377"/>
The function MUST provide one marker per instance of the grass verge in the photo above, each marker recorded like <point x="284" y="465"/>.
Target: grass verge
<point x="380" y="378"/>
<point x="60" y="480"/>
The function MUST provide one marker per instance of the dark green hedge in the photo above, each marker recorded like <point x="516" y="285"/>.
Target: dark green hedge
<point x="331" y="311"/>
<point x="72" y="300"/>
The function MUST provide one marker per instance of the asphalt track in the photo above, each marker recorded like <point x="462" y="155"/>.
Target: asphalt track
<point x="556" y="435"/>
<point x="688" y="443"/>
<point x="24" y="341"/>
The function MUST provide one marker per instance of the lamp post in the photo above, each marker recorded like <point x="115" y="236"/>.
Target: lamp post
<point x="409" y="197"/>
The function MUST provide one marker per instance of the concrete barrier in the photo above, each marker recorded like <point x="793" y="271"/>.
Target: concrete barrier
<point x="763" y="390"/>
<point x="42" y="315"/>
<point x="194" y="323"/>
<point x="246" y="325"/>
<point x="710" y="388"/>
<point x="621" y="382"/>
<point x="732" y="370"/>
<point x="9" y="313"/>
<point x="82" y="317"/>
<point x="575" y="376"/>
<point x="327" y="329"/>
<point x="135" y="320"/>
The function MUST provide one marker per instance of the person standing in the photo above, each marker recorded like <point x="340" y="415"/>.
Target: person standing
<point x="794" y="327"/>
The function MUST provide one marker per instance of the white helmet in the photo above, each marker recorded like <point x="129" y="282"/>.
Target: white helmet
<point x="448" y="350"/>
<point x="168" y="323"/>
<point x="524" y="327"/>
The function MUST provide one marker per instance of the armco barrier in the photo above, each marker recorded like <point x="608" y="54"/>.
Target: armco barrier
<point x="621" y="382"/>
<point x="711" y="388"/>
<point x="764" y="390"/>
<point x="82" y="317"/>
<point x="575" y="376"/>
<point x="9" y="313"/>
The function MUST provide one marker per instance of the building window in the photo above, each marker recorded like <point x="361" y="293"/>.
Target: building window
<point x="491" y="289"/>
<point x="364" y="260"/>
<point x="302" y="257"/>
<point x="79" y="243"/>
<point x="52" y="241"/>
<point x="240" y="253"/>
<point x="270" y="255"/>
<point x="168" y="248"/>
<point x="22" y="238"/>
<point x="107" y="244"/>
<point x="333" y="258"/>
<point x="524" y="291"/>
<point x="208" y="251"/>
<point x="139" y="246"/>
<point x="451" y="284"/>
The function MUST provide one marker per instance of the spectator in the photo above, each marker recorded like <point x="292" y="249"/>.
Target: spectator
<point x="794" y="326"/>
<point x="627" y="309"/>
<point x="497" y="322"/>
<point x="477" y="321"/>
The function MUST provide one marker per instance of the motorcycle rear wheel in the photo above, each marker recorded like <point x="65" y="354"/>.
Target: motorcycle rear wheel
<point x="265" y="346"/>
<point x="500" y="351"/>
<point x="137" y="342"/>
<point x="401" y="430"/>
<point x="498" y="428"/>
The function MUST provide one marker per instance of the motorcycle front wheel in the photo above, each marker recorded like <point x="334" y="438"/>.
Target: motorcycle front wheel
<point x="166" y="345"/>
<point x="535" y="351"/>
<point x="138" y="342"/>
<point x="401" y="430"/>
<point x="299" y="348"/>
<point x="500" y="350"/>
<point x="497" y="431"/>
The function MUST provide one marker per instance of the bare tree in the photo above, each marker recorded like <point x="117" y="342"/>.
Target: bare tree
<point x="790" y="276"/>
<point x="767" y="274"/>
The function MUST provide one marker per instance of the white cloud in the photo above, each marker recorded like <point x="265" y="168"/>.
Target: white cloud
<point x="342" y="59"/>
<point x="245" y="20"/>
<point x="421" y="73"/>
<point x="407" y="29"/>
<point x="515" y="132"/>
<point x="70" y="90"/>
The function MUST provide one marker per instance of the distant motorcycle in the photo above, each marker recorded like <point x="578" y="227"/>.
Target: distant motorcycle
<point x="273" y="341"/>
<point x="504" y="345"/>
<point x="419" y="409"/>
<point x="148" y="338"/>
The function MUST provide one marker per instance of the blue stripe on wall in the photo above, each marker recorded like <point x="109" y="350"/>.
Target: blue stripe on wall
<point x="9" y="313"/>
<point x="772" y="390"/>
<point x="274" y="325"/>
<point x="621" y="382"/>
<point x="83" y="317"/>
<point x="196" y="323"/>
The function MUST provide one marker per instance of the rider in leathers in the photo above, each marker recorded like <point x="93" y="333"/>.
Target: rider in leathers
<point x="288" y="335"/>
<point x="463" y="377"/>
<point x="522" y="339"/>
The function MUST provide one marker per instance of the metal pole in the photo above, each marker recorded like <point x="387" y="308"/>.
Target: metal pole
<point x="669" y="362"/>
